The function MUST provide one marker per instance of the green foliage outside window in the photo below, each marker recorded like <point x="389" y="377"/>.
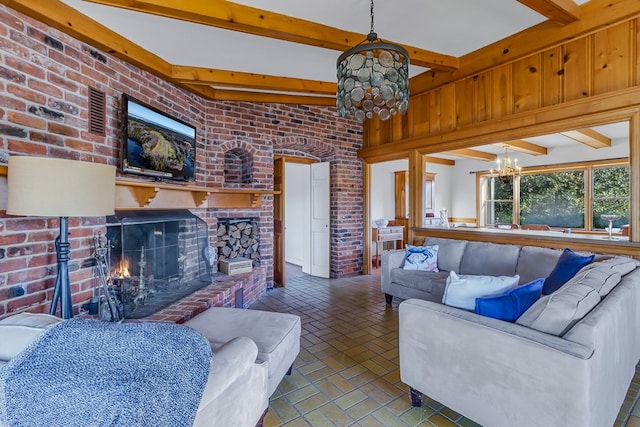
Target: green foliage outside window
<point x="499" y="202"/>
<point x="555" y="199"/>
<point x="610" y="195"/>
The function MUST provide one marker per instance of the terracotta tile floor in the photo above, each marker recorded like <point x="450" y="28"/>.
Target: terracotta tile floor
<point x="347" y="372"/>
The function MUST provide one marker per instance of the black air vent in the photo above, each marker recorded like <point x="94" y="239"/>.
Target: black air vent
<point x="97" y="116"/>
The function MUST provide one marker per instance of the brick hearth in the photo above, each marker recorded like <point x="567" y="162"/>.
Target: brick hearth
<point x="222" y="293"/>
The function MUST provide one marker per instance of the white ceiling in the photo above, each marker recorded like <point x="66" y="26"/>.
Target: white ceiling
<point x="452" y="27"/>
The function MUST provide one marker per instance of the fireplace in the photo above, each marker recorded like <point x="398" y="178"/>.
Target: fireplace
<point x="157" y="258"/>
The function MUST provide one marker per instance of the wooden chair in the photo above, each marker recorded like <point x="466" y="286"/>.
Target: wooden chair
<point x="542" y="227"/>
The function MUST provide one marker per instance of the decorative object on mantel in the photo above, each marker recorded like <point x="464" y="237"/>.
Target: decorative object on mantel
<point x="507" y="170"/>
<point x="46" y="187"/>
<point x="373" y="77"/>
<point x="381" y="223"/>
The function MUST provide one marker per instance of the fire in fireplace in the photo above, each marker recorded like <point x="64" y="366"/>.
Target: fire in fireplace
<point x="157" y="257"/>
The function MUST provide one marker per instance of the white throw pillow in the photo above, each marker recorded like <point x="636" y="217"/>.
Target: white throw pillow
<point x="423" y="258"/>
<point x="462" y="290"/>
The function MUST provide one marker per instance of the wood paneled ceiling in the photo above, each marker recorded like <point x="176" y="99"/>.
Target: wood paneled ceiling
<point x="285" y="51"/>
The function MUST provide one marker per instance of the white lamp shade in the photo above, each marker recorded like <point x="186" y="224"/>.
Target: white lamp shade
<point x="40" y="186"/>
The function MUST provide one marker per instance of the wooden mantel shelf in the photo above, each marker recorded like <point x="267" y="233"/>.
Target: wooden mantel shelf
<point x="150" y="195"/>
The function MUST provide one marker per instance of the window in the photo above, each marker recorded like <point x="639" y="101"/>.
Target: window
<point x="610" y="195"/>
<point x="557" y="197"/>
<point x="498" y="202"/>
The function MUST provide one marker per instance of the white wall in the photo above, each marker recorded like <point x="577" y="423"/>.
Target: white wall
<point x="444" y="186"/>
<point x="383" y="193"/>
<point x="383" y="187"/>
<point x="297" y="213"/>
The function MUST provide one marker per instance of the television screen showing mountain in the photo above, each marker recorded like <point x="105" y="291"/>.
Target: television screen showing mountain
<point x="158" y="145"/>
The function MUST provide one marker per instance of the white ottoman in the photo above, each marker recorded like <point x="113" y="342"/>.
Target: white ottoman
<point x="277" y="336"/>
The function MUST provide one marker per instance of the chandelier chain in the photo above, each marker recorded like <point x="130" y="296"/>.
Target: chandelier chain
<point x="372" y="31"/>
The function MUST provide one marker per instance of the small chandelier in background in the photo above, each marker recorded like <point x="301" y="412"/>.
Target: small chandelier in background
<point x="373" y="78"/>
<point x="508" y="169"/>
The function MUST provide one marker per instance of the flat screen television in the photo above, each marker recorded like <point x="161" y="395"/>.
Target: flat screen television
<point x="156" y="144"/>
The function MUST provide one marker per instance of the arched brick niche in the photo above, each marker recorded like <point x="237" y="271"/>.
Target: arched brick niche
<point x="238" y="167"/>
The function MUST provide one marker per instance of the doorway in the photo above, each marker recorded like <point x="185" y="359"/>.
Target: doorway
<point x="301" y="219"/>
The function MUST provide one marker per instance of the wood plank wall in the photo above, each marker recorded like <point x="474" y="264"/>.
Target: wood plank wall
<point x="596" y="64"/>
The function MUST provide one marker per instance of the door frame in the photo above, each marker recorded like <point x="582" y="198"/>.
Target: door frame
<point x="279" y="181"/>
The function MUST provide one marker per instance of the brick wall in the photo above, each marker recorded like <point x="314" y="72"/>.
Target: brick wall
<point x="44" y="80"/>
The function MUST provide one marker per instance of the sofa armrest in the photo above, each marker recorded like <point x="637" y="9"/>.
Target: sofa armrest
<point x="390" y="260"/>
<point x="20" y="330"/>
<point x="229" y="362"/>
<point x="480" y="366"/>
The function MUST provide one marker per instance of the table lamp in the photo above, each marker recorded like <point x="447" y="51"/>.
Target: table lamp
<point x="47" y="187"/>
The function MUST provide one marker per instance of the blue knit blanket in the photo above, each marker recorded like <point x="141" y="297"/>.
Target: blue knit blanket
<point x="89" y="373"/>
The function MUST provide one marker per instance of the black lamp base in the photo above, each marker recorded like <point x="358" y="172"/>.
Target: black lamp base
<point x="62" y="291"/>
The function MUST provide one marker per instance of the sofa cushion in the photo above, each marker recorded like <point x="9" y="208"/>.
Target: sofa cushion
<point x="462" y="290"/>
<point x="481" y="258"/>
<point x="277" y="335"/>
<point x="449" y="252"/>
<point x="621" y="264"/>
<point x="602" y="279"/>
<point x="567" y="266"/>
<point x="558" y="312"/>
<point x="433" y="282"/>
<point x="423" y="258"/>
<point x="20" y="330"/>
<point x="535" y="262"/>
<point x="511" y="304"/>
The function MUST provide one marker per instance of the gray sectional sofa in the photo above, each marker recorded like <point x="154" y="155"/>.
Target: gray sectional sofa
<point x="562" y="363"/>
<point x="463" y="257"/>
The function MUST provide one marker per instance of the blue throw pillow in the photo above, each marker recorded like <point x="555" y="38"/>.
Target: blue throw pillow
<point x="568" y="265"/>
<point x="511" y="304"/>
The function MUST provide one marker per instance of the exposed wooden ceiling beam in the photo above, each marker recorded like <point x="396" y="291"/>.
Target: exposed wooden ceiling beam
<point x="252" y="96"/>
<point x="561" y="11"/>
<point x="524" y="147"/>
<point x="212" y="77"/>
<point x="588" y="137"/>
<point x="236" y="17"/>
<point x="596" y="14"/>
<point x="438" y="160"/>
<point x="473" y="154"/>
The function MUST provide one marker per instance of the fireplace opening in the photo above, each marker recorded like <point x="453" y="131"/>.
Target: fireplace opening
<point x="157" y="258"/>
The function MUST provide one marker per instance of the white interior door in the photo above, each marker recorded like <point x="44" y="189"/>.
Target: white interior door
<point x="320" y="216"/>
<point x="298" y="215"/>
